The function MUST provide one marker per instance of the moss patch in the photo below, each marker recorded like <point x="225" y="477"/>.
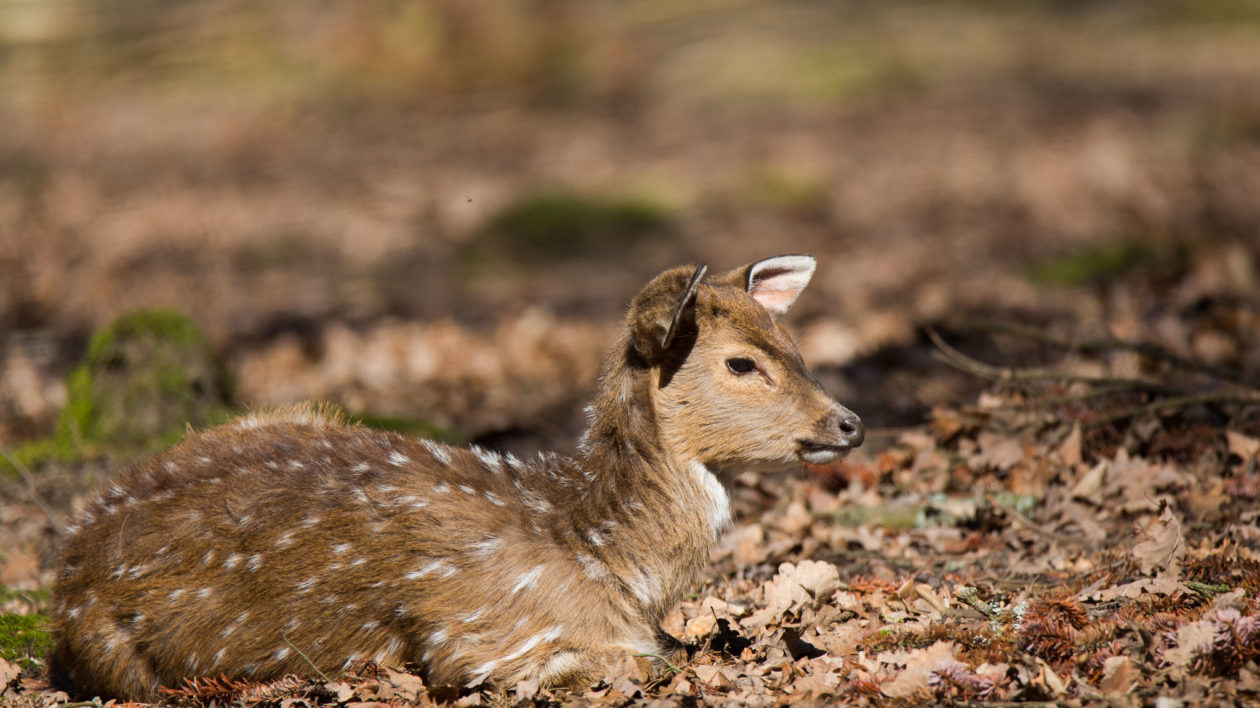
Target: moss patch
<point x="144" y="378"/>
<point x="1091" y="265"/>
<point x="407" y="426"/>
<point x="561" y="225"/>
<point x="24" y="638"/>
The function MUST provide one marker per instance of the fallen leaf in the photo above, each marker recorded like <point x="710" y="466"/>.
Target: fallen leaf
<point x="1118" y="675"/>
<point x="1162" y="547"/>
<point x="1192" y="639"/>
<point x="1090" y="483"/>
<point x="799" y="585"/>
<point x="8" y="672"/>
<point x="918" y="667"/>
<point x="1241" y="445"/>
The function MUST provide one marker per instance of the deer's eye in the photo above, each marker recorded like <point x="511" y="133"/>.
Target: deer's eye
<point x="741" y="365"/>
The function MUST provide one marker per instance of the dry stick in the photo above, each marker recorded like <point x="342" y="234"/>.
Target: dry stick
<point x="1240" y="397"/>
<point x="1028" y="523"/>
<point x="307" y="658"/>
<point x="58" y="527"/>
<point x="961" y="361"/>
<point x="1106" y="344"/>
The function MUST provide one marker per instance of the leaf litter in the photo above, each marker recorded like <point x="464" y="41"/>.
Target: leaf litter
<point x="1080" y="533"/>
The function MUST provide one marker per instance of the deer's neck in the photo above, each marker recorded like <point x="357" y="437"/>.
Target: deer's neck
<point x="649" y="514"/>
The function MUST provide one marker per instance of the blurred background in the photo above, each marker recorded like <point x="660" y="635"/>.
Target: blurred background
<point x="432" y="213"/>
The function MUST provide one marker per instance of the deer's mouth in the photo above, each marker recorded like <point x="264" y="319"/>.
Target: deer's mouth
<point x="817" y="453"/>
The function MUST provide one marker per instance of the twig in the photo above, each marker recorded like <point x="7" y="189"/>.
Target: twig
<point x="1106" y="344"/>
<point x="1026" y="522"/>
<point x="306" y="658"/>
<point x="971" y="596"/>
<point x="58" y="527"/>
<point x="661" y="659"/>
<point x="1220" y="397"/>
<point x="1206" y="590"/>
<point x="961" y="361"/>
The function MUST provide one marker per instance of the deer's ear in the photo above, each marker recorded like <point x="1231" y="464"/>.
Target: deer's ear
<point x="663" y="308"/>
<point x="776" y="282"/>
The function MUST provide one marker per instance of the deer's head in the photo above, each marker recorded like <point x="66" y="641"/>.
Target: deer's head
<point x="729" y="386"/>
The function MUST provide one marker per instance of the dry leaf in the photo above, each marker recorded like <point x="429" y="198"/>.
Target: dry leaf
<point x="1118" y="675"/>
<point x="1162" y="547"/>
<point x="1192" y="639"/>
<point x="796" y="586"/>
<point x="1242" y="445"/>
<point x="918" y="667"/>
<point x="1090" y="483"/>
<point x="8" y="672"/>
<point x="1070" y="449"/>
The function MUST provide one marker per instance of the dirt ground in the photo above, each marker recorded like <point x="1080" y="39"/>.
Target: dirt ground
<point x="1038" y="239"/>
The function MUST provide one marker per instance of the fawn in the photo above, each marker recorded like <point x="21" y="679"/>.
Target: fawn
<point x="283" y="542"/>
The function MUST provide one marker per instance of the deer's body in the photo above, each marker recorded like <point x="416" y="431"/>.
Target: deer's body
<point x="245" y="544"/>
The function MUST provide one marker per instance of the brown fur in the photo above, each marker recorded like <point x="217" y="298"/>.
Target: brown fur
<point x="296" y="531"/>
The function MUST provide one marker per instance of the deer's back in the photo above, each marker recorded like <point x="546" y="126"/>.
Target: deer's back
<point x="236" y="548"/>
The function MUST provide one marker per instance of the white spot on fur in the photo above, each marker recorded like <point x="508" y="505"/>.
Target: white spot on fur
<point x="439" y="451"/>
<point x="560" y="664"/>
<point x="292" y="624"/>
<point x="231" y="561"/>
<point x="489" y="460"/>
<point x="716" y="501"/>
<point x="208" y="558"/>
<point x="204" y="593"/>
<point x="361" y="467"/>
<point x="494" y="499"/>
<point x="310" y="521"/>
<point x="441" y="488"/>
<point x="646" y="587"/>
<point x="358" y="561"/>
<point x="534" y="502"/>
<point x="439" y="566"/>
<point x="286" y="540"/>
<point x="74" y="612"/>
<point x="473" y="616"/>
<point x="487" y="545"/>
<point x="281" y="653"/>
<point x="439" y="636"/>
<point x="254" y="561"/>
<point x="595" y="538"/>
<point x="592" y="567"/>
<point x="528" y="579"/>
<point x="467" y="489"/>
<point x="218" y="656"/>
<point x="340" y="548"/>
<point x="296" y="464"/>
<point x="306" y="585"/>
<point x="175" y="594"/>
<point x="398" y="459"/>
<point x="370" y="625"/>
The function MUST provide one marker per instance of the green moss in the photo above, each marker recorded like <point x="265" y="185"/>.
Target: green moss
<point x="1090" y="265"/>
<point x="35" y="600"/>
<point x="558" y="225"/>
<point x="24" y="638"/>
<point x="407" y="426"/>
<point x="790" y="194"/>
<point x="143" y="379"/>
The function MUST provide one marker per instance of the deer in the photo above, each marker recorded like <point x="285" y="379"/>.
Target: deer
<point x="292" y="540"/>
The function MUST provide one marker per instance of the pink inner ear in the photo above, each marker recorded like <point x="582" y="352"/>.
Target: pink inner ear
<point x="777" y="288"/>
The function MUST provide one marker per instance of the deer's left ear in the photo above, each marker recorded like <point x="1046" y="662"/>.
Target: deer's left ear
<point x="776" y="282"/>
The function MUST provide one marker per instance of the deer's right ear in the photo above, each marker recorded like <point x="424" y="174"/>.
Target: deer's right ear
<point x="774" y="283"/>
<point x="663" y="308"/>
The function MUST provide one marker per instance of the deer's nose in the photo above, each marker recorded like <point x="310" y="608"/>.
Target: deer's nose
<point x="852" y="431"/>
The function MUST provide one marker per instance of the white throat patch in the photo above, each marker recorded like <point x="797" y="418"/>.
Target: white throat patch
<point x="717" y="502"/>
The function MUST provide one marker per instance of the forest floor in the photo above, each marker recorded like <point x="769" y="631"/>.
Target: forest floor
<point x="1039" y="285"/>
